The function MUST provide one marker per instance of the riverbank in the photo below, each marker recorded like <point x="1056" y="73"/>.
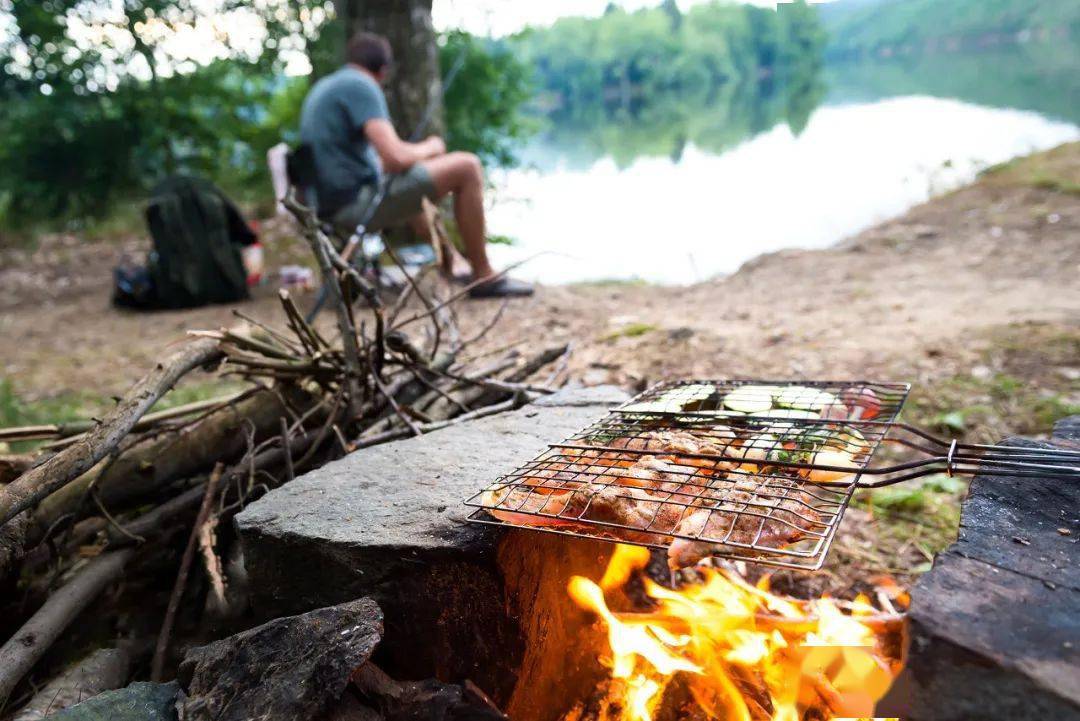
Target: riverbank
<point x="921" y="297"/>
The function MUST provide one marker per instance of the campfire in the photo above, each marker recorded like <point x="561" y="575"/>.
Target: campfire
<point x="723" y="648"/>
<point x="720" y="476"/>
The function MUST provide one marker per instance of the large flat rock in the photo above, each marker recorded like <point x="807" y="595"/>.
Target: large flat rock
<point x="995" y="626"/>
<point x="389" y="522"/>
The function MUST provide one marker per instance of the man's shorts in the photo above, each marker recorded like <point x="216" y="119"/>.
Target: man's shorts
<point x="401" y="201"/>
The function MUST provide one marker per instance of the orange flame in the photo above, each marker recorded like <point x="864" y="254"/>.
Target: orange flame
<point x="744" y="653"/>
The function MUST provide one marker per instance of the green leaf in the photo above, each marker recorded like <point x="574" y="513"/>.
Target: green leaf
<point x="903" y="498"/>
<point x="942" y="483"/>
<point x="953" y="421"/>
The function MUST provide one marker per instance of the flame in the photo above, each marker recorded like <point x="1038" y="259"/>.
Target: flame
<point x="743" y="653"/>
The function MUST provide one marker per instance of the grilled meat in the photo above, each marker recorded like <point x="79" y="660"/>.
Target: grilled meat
<point x="636" y="497"/>
<point x="650" y="494"/>
<point x="754" y="512"/>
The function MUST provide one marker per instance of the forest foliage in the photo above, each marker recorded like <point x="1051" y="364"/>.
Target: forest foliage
<point x="101" y="101"/>
<point x="622" y="55"/>
<point x="869" y="27"/>
<point x="654" y="81"/>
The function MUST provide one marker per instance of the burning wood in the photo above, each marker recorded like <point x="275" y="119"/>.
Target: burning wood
<point x="724" y="648"/>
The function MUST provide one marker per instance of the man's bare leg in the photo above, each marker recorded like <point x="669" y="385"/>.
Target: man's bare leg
<point x="462" y="175"/>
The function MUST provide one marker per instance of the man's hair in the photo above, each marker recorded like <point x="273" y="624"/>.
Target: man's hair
<point x="369" y="51"/>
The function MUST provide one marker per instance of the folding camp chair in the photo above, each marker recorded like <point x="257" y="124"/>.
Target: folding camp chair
<point x="361" y="248"/>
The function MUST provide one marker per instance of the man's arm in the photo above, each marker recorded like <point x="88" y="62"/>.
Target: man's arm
<point x="398" y="155"/>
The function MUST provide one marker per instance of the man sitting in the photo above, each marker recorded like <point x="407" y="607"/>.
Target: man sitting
<point x="346" y="124"/>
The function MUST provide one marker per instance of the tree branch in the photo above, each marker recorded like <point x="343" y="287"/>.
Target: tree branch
<point x="79" y="457"/>
<point x="19" y="654"/>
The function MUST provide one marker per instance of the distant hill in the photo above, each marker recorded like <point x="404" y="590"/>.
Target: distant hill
<point x="888" y="27"/>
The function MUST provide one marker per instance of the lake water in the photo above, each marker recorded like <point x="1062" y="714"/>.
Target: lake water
<point x="676" y="200"/>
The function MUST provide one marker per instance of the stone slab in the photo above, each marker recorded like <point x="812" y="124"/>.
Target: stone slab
<point x="389" y="522"/>
<point x="289" y="668"/>
<point x="995" y="625"/>
<point x="140" y="701"/>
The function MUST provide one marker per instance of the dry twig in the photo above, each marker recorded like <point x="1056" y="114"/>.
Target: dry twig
<point x="157" y="666"/>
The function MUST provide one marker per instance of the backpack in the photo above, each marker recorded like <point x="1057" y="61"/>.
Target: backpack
<point x="197" y="233"/>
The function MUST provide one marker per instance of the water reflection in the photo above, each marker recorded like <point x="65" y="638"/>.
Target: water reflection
<point x="1040" y="76"/>
<point x="713" y="121"/>
<point x="680" y="189"/>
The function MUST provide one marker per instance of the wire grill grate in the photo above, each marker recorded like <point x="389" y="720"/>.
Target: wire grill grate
<point x="723" y="468"/>
<point x="752" y="470"/>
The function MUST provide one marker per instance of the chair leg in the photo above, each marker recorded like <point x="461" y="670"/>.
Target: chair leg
<point x="439" y="238"/>
<point x="320" y="301"/>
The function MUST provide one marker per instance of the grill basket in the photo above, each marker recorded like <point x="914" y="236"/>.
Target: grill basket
<point x="760" y="471"/>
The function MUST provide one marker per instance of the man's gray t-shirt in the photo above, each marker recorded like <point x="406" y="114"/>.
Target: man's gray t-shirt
<point x="332" y="124"/>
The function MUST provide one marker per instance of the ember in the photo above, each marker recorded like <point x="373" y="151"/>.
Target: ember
<point x="741" y="652"/>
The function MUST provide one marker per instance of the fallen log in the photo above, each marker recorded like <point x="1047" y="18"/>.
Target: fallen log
<point x="76" y="459"/>
<point x="34" y="638"/>
<point x="157" y="520"/>
<point x="103" y="670"/>
<point x="13" y="466"/>
<point x="144" y="469"/>
<point x="142" y="529"/>
<point x="12" y="542"/>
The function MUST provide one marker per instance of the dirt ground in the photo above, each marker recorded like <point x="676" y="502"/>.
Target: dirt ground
<point x="914" y="298"/>
<point x="973" y="297"/>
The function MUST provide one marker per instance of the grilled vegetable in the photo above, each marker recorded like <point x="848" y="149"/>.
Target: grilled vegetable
<point x="757" y="448"/>
<point x="674" y="399"/>
<point x="795" y="413"/>
<point x="806" y="399"/>
<point x="862" y="401"/>
<point x="751" y="399"/>
<point x="847" y="440"/>
<point x="829" y="457"/>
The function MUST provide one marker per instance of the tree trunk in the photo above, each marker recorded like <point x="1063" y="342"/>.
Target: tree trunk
<point x="415" y="77"/>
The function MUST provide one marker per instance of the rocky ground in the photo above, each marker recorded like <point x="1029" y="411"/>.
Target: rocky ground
<point x="973" y="297"/>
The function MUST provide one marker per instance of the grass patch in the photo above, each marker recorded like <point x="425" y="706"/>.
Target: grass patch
<point x="18" y="411"/>
<point x="1056" y="184"/>
<point x="630" y="330"/>
<point x="916" y="520"/>
<point x="634" y="282"/>
<point x="990" y="409"/>
<point x="1056" y="170"/>
<point x="922" y="496"/>
<point x="15" y="411"/>
<point x="1021" y="390"/>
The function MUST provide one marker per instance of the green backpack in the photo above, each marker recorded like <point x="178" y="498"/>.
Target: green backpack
<point x="197" y="234"/>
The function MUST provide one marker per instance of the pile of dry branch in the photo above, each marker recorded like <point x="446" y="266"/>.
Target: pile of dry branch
<point x="98" y="496"/>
